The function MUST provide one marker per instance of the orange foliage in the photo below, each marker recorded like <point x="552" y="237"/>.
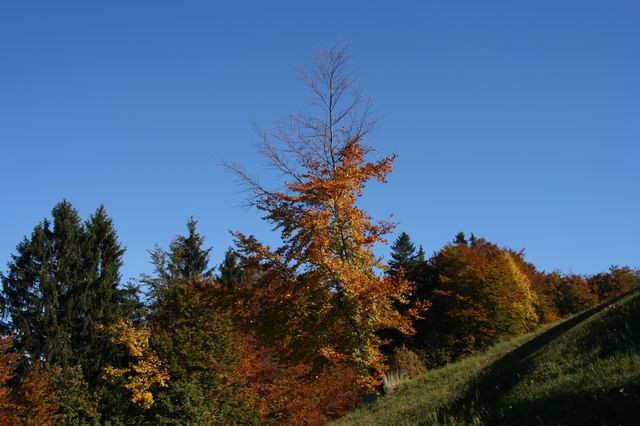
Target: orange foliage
<point x="319" y="289"/>
<point x="289" y="392"/>
<point x="481" y="295"/>
<point x="8" y="361"/>
<point x="37" y="403"/>
<point x="29" y="402"/>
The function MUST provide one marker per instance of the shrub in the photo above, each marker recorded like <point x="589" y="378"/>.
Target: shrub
<point x="407" y="362"/>
<point x="404" y="365"/>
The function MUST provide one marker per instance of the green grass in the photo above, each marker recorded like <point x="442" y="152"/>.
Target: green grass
<point x="583" y="370"/>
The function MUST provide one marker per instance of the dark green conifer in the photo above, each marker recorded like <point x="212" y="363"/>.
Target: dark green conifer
<point x="187" y="257"/>
<point x="403" y="255"/>
<point x="62" y="284"/>
<point x="460" y="239"/>
<point x="45" y="279"/>
<point x="230" y="270"/>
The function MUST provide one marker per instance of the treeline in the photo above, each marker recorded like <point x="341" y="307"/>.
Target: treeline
<point x="296" y="334"/>
<point x="194" y="344"/>
<point x="480" y="293"/>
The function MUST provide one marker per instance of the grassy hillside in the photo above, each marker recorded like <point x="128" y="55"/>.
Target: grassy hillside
<point x="584" y="370"/>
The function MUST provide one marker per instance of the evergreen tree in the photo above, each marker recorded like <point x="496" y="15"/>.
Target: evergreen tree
<point x="42" y="285"/>
<point x="403" y="255"/>
<point x="421" y="256"/>
<point x="61" y="286"/>
<point x="101" y="300"/>
<point x="413" y="263"/>
<point x="187" y="257"/>
<point x="460" y="239"/>
<point x="230" y="270"/>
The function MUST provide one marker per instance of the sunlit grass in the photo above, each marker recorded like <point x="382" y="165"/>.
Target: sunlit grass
<point x="581" y="370"/>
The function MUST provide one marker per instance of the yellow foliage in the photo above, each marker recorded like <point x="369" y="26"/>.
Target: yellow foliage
<point x="524" y="298"/>
<point x="145" y="368"/>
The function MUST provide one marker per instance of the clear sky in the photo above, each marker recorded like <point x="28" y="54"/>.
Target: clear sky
<point x="516" y="120"/>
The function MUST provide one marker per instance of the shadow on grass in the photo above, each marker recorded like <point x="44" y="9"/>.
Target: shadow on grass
<point x="504" y="374"/>
<point x="611" y="407"/>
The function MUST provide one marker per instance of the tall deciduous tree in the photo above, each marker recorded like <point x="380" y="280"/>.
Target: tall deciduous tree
<point x="322" y="293"/>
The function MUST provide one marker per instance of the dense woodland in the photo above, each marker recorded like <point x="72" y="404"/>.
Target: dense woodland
<point x="300" y="333"/>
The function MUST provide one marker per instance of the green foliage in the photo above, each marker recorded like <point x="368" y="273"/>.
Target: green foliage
<point x="187" y="256"/>
<point x="79" y="405"/>
<point x="186" y="259"/>
<point x="196" y="342"/>
<point x="230" y="270"/>
<point x="62" y="284"/>
<point x="193" y="336"/>
<point x="403" y="255"/>
<point x="460" y="239"/>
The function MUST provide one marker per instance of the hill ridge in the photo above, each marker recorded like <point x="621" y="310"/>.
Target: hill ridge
<point x="582" y="370"/>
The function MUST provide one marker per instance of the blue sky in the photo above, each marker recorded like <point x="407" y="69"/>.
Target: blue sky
<point x="515" y="120"/>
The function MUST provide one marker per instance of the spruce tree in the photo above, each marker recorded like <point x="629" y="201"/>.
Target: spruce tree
<point x="403" y="255"/>
<point x="44" y="280"/>
<point x="62" y="284"/>
<point x="230" y="270"/>
<point x="187" y="256"/>
<point x="460" y="239"/>
<point x="101" y="301"/>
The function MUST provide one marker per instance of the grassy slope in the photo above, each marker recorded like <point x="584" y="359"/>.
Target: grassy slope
<point x="584" y="370"/>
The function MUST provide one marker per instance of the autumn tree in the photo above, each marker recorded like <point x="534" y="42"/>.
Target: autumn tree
<point x="25" y="400"/>
<point x="544" y="289"/>
<point x="293" y="392"/>
<point x="480" y="295"/>
<point x="618" y="280"/>
<point x="320" y="289"/>
<point x="36" y="404"/>
<point x="8" y="363"/>
<point x="145" y="371"/>
<point x="572" y="293"/>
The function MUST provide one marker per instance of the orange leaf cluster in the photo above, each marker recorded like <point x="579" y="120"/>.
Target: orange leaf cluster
<point x="319" y="293"/>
